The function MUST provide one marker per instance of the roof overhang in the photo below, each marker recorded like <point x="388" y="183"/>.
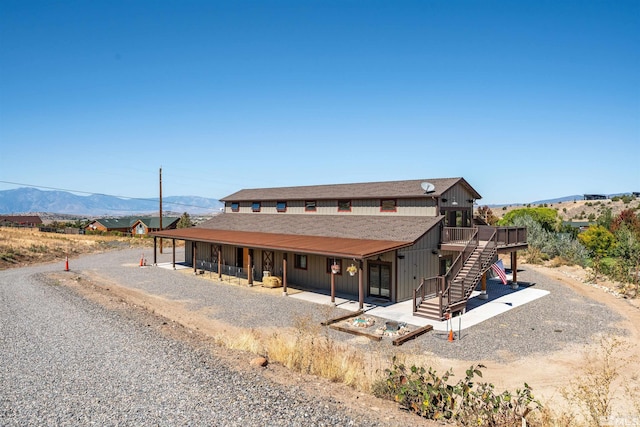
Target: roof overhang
<point x="317" y="245"/>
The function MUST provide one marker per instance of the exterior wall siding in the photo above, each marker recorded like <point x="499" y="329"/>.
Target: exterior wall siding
<point x="419" y="262"/>
<point x="404" y="207"/>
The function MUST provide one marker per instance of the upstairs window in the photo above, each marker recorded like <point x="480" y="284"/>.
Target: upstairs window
<point x="388" y="205"/>
<point x="344" y="205"/>
<point x="281" y="206"/>
<point x="255" y="207"/>
<point x="310" y="206"/>
<point x="300" y="262"/>
<point x="235" y="207"/>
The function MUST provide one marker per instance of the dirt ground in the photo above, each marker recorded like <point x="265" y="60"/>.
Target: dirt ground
<point x="547" y="375"/>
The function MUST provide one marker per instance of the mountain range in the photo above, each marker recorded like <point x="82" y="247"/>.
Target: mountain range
<point x="27" y="200"/>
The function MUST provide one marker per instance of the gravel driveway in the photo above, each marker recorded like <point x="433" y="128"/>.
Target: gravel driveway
<point x="68" y="362"/>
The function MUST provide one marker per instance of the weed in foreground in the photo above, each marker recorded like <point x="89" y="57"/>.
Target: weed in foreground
<point x="465" y="402"/>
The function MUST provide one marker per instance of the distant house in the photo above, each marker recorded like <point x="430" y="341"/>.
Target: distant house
<point x="132" y="225"/>
<point x="20" y="221"/>
<point x="595" y="197"/>
<point x="635" y="193"/>
<point x="580" y="225"/>
<point x="151" y="224"/>
<point x="122" y="225"/>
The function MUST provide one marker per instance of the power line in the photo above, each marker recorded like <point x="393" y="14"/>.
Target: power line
<point x="102" y="194"/>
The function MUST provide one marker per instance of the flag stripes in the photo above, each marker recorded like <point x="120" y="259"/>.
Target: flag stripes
<point x="498" y="268"/>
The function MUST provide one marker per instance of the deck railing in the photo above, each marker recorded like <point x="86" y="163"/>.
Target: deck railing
<point x="505" y="236"/>
<point x="457" y="234"/>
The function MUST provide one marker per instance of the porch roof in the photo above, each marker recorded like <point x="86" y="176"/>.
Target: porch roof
<point x="349" y="236"/>
<point x="318" y="245"/>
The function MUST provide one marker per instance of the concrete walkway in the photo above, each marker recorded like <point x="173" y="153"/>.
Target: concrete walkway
<point x="502" y="298"/>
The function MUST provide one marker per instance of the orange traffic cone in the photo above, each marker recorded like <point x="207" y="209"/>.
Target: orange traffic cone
<point x="66" y="264"/>
<point x="142" y="260"/>
<point x="450" y="334"/>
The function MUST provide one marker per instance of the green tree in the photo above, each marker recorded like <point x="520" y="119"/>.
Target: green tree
<point x="605" y="219"/>
<point x="546" y="217"/>
<point x="627" y="252"/>
<point x="599" y="241"/>
<point x="185" y="221"/>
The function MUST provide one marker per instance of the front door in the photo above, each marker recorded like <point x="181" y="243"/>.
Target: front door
<point x="267" y="261"/>
<point x="379" y="279"/>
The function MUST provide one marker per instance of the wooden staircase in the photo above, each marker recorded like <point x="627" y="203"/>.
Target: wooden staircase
<point x="456" y="287"/>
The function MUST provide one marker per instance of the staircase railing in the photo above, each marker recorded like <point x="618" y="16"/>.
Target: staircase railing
<point x="428" y="287"/>
<point x="455" y="268"/>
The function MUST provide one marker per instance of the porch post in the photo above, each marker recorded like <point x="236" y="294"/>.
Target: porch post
<point x="194" y="255"/>
<point x="360" y="285"/>
<point x="250" y="267"/>
<point x="220" y="262"/>
<point x="333" y="288"/>
<point x="173" y="244"/>
<point x="483" y="288"/>
<point x="284" y="275"/>
<point x="514" y="269"/>
<point x="155" y="246"/>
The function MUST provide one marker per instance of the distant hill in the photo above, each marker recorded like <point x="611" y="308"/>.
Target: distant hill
<point x="23" y="200"/>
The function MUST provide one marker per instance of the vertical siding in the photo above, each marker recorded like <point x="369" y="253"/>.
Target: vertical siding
<point x="404" y="207"/>
<point x="418" y="262"/>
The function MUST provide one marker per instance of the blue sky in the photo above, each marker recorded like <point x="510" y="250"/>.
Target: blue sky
<point x="526" y="100"/>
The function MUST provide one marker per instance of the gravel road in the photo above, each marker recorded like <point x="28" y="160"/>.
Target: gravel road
<point x="67" y="361"/>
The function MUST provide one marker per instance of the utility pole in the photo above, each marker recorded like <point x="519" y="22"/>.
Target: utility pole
<point x="161" y="207"/>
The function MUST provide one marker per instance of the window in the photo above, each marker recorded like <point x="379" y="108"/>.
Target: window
<point x="300" y="261"/>
<point x="387" y="205"/>
<point x="255" y="206"/>
<point x="235" y="207"/>
<point x="344" y="205"/>
<point x="332" y="261"/>
<point x="281" y="206"/>
<point x="310" y="206"/>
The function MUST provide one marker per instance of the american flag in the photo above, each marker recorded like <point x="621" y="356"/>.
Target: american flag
<point x="498" y="268"/>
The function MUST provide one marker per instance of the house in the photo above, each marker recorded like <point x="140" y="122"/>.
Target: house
<point x="132" y="225"/>
<point x="394" y="240"/>
<point x="20" y="221"/>
<point x="122" y="225"/>
<point x="595" y="197"/>
<point x="150" y="224"/>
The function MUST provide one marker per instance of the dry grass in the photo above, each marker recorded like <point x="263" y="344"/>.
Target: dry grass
<point x="26" y="246"/>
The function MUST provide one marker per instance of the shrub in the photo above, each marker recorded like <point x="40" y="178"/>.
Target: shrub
<point x="431" y="396"/>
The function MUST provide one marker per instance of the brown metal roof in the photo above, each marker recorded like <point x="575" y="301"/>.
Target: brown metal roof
<point x="367" y="190"/>
<point x="328" y="246"/>
<point x="356" y="236"/>
<point x="368" y="227"/>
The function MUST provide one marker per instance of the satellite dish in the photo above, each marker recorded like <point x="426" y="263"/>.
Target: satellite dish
<point x="428" y="187"/>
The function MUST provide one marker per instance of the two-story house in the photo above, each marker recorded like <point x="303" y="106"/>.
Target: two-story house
<point x="395" y="240"/>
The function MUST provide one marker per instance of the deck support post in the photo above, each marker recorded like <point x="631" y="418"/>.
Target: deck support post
<point x="219" y="247"/>
<point x="514" y="269"/>
<point x="483" y="289"/>
<point x="284" y="275"/>
<point x="173" y="244"/>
